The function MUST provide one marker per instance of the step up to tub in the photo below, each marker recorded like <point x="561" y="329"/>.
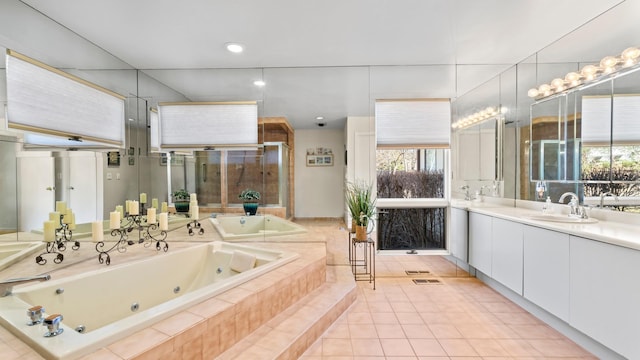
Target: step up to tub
<point x="292" y="332"/>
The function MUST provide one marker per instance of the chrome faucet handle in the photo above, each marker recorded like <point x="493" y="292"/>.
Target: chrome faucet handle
<point x="53" y="322"/>
<point x="35" y="315"/>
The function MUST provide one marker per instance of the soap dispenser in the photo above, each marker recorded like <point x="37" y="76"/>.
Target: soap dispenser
<point x="547" y="206"/>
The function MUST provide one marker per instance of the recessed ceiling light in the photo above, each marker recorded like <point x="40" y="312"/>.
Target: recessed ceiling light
<point x="234" y="47"/>
<point x="259" y="83"/>
<point x="319" y="117"/>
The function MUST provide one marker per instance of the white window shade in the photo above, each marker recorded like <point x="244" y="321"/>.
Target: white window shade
<point x="420" y="123"/>
<point x="154" y="131"/>
<point x="596" y="120"/>
<point x="626" y="121"/>
<point x="44" y="100"/>
<point x="199" y="125"/>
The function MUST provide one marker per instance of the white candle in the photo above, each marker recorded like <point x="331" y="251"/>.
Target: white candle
<point x="120" y="210"/>
<point x="55" y="216"/>
<point x="134" y="207"/>
<point x="61" y="207"/>
<point x="72" y="223"/>
<point x="151" y="215"/>
<point x="195" y="211"/>
<point x="49" y="231"/>
<point x="66" y="219"/>
<point x="164" y="221"/>
<point x="193" y="197"/>
<point x="143" y="198"/>
<point x="114" y="220"/>
<point x="154" y="203"/>
<point x="126" y="206"/>
<point x="164" y="208"/>
<point x="96" y="231"/>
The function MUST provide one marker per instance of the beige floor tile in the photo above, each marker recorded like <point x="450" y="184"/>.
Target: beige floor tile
<point x="457" y="347"/>
<point x="427" y="347"/>
<point x="390" y="331"/>
<point x="336" y="347"/>
<point x="366" y="347"/>
<point x="397" y="347"/>
<point x="445" y="331"/>
<point x="363" y="331"/>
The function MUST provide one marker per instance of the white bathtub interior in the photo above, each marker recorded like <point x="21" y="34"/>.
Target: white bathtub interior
<point x="103" y="301"/>
<point x="232" y="227"/>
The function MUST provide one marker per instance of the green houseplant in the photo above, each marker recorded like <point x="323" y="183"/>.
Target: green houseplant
<point x="250" y="200"/>
<point x="181" y="200"/>
<point x="361" y="204"/>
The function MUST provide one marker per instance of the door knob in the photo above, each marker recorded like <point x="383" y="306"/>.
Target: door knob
<point x="49" y="188"/>
<point x="71" y="188"/>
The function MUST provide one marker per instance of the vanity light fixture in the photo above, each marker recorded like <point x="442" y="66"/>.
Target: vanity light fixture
<point x="479" y="117"/>
<point x="607" y="66"/>
<point x="234" y="47"/>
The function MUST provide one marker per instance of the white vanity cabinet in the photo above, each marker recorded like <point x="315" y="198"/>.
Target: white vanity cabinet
<point x="458" y="230"/>
<point x="605" y="294"/>
<point x="480" y="244"/>
<point x="507" y="251"/>
<point x="546" y="270"/>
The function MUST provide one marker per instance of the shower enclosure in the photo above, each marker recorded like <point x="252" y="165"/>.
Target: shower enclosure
<point x="218" y="176"/>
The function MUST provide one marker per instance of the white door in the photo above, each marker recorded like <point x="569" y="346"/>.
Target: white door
<point x="82" y="191"/>
<point x="36" y="198"/>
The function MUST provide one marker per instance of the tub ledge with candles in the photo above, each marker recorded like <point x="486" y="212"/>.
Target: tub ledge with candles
<point x="123" y="230"/>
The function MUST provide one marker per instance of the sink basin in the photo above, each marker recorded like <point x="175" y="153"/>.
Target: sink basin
<point x="561" y="219"/>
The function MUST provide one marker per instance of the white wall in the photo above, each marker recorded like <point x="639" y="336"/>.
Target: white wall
<point x="319" y="189"/>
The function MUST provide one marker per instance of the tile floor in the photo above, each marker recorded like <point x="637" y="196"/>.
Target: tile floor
<point x="460" y="318"/>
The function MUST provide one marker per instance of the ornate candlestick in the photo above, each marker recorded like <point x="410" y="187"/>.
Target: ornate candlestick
<point x="62" y="235"/>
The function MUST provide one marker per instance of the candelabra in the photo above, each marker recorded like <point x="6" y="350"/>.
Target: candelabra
<point x="136" y="221"/>
<point x="63" y="234"/>
<point x="195" y="224"/>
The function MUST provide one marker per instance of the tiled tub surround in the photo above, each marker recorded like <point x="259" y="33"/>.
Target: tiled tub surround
<point x="243" y="227"/>
<point x="102" y="300"/>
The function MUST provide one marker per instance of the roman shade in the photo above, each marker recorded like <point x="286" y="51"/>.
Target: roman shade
<point x="46" y="101"/>
<point x="154" y="131"/>
<point x="596" y="120"/>
<point x="203" y="125"/>
<point x="610" y="120"/>
<point x="626" y="122"/>
<point x="413" y="123"/>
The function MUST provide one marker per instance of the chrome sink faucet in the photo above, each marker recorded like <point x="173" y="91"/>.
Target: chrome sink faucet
<point x="6" y="287"/>
<point x="606" y="193"/>
<point x="467" y="195"/>
<point x="576" y="209"/>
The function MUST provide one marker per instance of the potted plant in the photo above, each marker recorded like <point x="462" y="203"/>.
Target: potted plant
<point x="250" y="200"/>
<point x="181" y="200"/>
<point x="361" y="206"/>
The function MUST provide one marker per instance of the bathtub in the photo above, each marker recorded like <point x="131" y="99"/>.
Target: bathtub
<point x="112" y="303"/>
<point x="242" y="227"/>
<point x="12" y="252"/>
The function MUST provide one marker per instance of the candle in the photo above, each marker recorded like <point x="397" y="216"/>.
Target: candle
<point x="54" y="216"/>
<point x="164" y="221"/>
<point x="154" y="203"/>
<point x="120" y="210"/>
<point x="61" y="207"/>
<point x="143" y="198"/>
<point x="164" y="208"/>
<point x="72" y="223"/>
<point x="195" y="211"/>
<point x="134" y="207"/>
<point x="151" y="215"/>
<point x="114" y="220"/>
<point x="49" y="231"/>
<point x="193" y="197"/>
<point x="66" y="219"/>
<point x="127" y="205"/>
<point x="96" y="231"/>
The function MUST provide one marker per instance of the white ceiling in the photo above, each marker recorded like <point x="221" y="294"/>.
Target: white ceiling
<point x="327" y="57"/>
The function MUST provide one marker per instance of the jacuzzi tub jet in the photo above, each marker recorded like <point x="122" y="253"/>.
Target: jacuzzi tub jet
<point x="135" y="307"/>
<point x="176" y="289"/>
<point x="80" y="328"/>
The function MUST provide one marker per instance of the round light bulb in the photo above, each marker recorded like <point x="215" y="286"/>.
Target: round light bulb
<point x="608" y="62"/>
<point x="557" y="83"/>
<point x="544" y="88"/>
<point x="572" y="76"/>
<point x="533" y="92"/>
<point x="631" y="53"/>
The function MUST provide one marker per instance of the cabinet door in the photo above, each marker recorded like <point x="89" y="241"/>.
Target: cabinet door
<point x="458" y="231"/>
<point x="546" y="270"/>
<point x="605" y="294"/>
<point x="506" y="259"/>
<point x="480" y="242"/>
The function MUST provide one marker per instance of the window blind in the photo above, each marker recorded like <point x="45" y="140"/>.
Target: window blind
<point x="596" y="120"/>
<point x="154" y="131"/>
<point x="198" y="125"/>
<point x="44" y="100"/>
<point x="415" y="122"/>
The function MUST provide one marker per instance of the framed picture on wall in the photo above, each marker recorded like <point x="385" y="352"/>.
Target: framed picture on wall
<point x="320" y="160"/>
<point x="113" y="159"/>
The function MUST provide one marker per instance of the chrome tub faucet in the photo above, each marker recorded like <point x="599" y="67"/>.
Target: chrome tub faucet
<point x="6" y="287"/>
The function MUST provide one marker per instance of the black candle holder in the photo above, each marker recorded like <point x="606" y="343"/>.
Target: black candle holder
<point x="131" y="223"/>
<point x="63" y="234"/>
